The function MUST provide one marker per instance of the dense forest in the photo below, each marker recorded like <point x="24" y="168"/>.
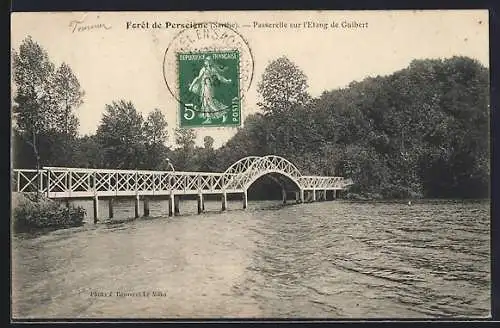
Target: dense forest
<point x="422" y="131"/>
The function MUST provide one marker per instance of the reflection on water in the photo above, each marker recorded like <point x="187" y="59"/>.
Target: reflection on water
<point x="327" y="259"/>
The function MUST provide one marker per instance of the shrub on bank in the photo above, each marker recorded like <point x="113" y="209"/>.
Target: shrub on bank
<point x="362" y="196"/>
<point x="30" y="213"/>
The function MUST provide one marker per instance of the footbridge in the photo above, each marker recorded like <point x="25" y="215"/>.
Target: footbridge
<point x="70" y="183"/>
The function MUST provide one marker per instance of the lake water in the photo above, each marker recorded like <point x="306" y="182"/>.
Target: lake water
<point x="333" y="259"/>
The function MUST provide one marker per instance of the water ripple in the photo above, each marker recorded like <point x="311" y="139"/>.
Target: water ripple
<point x="326" y="259"/>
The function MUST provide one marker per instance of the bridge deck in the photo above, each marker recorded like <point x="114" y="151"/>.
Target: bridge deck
<point x="62" y="182"/>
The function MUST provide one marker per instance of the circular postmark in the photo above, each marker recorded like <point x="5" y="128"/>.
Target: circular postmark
<point x="208" y="67"/>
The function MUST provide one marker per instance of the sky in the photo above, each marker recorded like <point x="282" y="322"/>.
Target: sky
<point x="113" y="62"/>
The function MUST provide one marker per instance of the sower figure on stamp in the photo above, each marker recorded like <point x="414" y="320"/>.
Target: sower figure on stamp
<point x="203" y="85"/>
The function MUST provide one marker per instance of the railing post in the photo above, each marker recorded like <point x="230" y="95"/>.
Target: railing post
<point x="283" y="195"/>
<point x="153" y="176"/>
<point x="96" y="197"/>
<point x="94" y="181"/>
<point x="18" y="173"/>
<point x="96" y="208"/>
<point x="48" y="183"/>
<point x="314" y="195"/>
<point x="136" y="182"/>
<point x="200" y="202"/>
<point x="146" y="206"/>
<point x="109" y="182"/>
<point x="245" y="199"/>
<point x="171" y="203"/>
<point x="70" y="183"/>
<point x="136" y="206"/>
<point x="110" y="207"/>
<point x="89" y="184"/>
<point x="40" y="181"/>
<point x="224" y="200"/>
<point x="177" y="201"/>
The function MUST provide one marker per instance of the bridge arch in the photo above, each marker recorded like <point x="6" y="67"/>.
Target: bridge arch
<point x="241" y="165"/>
<point x="283" y="164"/>
<point x="244" y="172"/>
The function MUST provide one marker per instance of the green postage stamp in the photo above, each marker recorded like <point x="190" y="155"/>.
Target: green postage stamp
<point x="209" y="90"/>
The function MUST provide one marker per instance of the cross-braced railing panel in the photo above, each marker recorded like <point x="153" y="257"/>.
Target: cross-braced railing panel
<point x="29" y="180"/>
<point x="314" y="182"/>
<point x="196" y="181"/>
<point x="165" y="181"/>
<point x="179" y="182"/>
<point x="125" y="181"/>
<point x="144" y="181"/>
<point x="80" y="181"/>
<point x="58" y="181"/>
<point x="206" y="182"/>
<point x="192" y="182"/>
<point x="102" y="181"/>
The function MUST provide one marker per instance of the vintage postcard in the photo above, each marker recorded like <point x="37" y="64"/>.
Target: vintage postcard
<point x="262" y="164"/>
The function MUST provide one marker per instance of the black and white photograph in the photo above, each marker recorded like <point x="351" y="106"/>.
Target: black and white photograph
<point x="250" y="164"/>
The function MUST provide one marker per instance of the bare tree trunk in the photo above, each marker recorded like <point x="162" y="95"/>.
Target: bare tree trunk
<point x="37" y="158"/>
<point x="67" y="137"/>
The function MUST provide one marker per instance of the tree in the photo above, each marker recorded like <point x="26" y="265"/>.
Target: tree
<point x="43" y="104"/>
<point x="120" y="136"/>
<point x="68" y="96"/>
<point x="283" y="85"/>
<point x="249" y="140"/>
<point x="156" y="135"/>
<point x="283" y="89"/>
<point x="32" y="102"/>
<point x="421" y="131"/>
<point x="185" y="138"/>
<point x="184" y="157"/>
<point x="208" y="159"/>
<point x="88" y="152"/>
<point x="208" y="142"/>
<point x="155" y="127"/>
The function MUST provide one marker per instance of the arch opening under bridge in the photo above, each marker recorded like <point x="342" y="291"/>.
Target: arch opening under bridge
<point x="273" y="186"/>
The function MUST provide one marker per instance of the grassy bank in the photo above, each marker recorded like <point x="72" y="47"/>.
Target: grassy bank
<point x="30" y="213"/>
